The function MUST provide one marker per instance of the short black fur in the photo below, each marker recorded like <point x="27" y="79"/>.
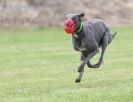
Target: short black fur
<point x="94" y="34"/>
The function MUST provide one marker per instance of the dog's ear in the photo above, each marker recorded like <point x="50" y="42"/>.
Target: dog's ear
<point x="81" y="15"/>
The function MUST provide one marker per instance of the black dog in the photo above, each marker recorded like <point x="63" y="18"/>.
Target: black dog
<point x="88" y="38"/>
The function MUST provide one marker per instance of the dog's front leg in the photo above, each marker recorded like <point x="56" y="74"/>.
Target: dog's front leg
<point x="80" y="73"/>
<point x="80" y="76"/>
<point x="83" y="62"/>
<point x="87" y="59"/>
<point x="75" y="44"/>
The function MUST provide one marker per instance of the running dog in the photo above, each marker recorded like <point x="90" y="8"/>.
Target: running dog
<point x="88" y="37"/>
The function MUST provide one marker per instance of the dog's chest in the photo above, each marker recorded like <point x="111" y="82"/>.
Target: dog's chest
<point x="85" y="42"/>
<point x="77" y="41"/>
<point x="80" y="41"/>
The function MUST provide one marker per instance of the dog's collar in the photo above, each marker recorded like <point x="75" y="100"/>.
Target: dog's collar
<point x="80" y="28"/>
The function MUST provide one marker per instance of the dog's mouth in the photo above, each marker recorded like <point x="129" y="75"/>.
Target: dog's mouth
<point x="69" y="26"/>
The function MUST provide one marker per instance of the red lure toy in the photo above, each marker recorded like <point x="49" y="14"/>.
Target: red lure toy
<point x="69" y="26"/>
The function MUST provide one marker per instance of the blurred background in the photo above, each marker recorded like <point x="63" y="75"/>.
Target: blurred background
<point x="52" y="12"/>
<point x="37" y="60"/>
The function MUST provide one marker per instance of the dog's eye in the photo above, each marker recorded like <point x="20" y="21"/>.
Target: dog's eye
<point x="73" y="19"/>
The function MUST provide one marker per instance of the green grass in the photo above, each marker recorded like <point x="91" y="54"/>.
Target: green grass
<point x="40" y="65"/>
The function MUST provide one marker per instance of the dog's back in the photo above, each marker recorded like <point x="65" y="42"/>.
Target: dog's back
<point x="98" y="28"/>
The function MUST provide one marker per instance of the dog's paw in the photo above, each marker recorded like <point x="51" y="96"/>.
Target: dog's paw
<point x="93" y="66"/>
<point x="98" y="64"/>
<point x="77" y="80"/>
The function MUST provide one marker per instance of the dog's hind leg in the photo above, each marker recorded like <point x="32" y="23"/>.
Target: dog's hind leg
<point x="104" y="45"/>
<point x="87" y="59"/>
<point x="91" y="65"/>
<point x="88" y="63"/>
<point x="108" y="37"/>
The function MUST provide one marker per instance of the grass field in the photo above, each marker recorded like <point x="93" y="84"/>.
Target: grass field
<point x="40" y="65"/>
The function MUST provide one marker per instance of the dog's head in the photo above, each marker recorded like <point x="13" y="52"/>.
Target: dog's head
<point x="72" y="22"/>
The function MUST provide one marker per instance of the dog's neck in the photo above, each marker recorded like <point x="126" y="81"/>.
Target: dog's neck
<point x="79" y="36"/>
<point x="79" y="32"/>
<point x="79" y="28"/>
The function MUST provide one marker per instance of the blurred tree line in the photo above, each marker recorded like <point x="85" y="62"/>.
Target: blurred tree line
<point x="52" y="12"/>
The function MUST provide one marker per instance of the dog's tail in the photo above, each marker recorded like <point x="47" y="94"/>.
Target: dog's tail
<point x="114" y="34"/>
<point x="111" y="34"/>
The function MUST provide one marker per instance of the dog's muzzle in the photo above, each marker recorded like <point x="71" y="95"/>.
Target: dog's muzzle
<point x="69" y="26"/>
